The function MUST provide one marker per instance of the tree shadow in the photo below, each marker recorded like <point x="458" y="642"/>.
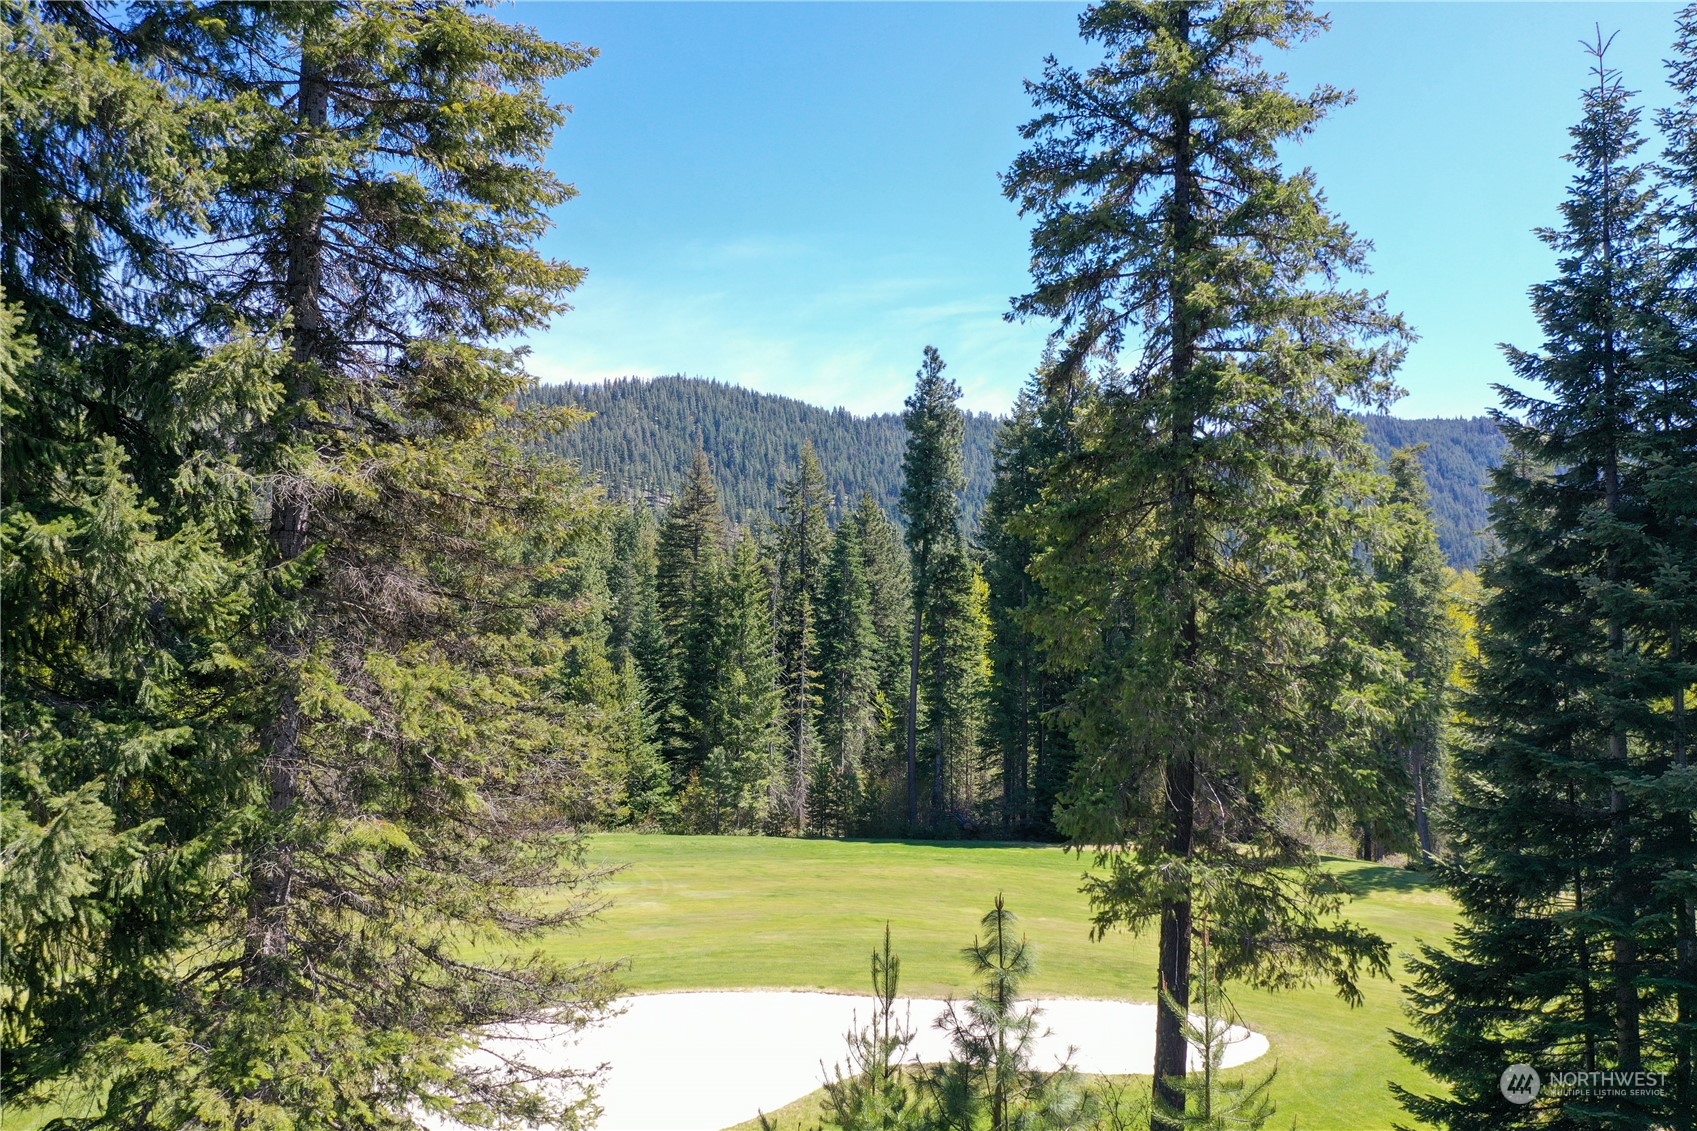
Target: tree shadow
<point x="1368" y="878"/>
<point x="916" y="842"/>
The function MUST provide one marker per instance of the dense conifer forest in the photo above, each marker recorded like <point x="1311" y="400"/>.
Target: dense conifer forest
<point x="643" y="434"/>
<point x="640" y="440"/>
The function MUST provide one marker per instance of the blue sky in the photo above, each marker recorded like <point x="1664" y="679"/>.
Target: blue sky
<point x="799" y="197"/>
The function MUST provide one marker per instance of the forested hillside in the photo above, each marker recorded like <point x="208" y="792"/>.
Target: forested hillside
<point x="1458" y="459"/>
<point x="644" y="432"/>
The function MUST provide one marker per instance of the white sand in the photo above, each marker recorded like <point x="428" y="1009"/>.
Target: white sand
<point x="705" y="1061"/>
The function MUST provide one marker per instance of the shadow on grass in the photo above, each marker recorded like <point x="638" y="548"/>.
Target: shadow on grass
<point x="1368" y="878"/>
<point x="914" y="842"/>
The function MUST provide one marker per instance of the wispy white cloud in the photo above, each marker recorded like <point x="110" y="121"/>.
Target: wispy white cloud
<point x="797" y="320"/>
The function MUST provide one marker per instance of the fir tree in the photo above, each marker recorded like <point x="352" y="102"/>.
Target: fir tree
<point x="634" y="632"/>
<point x="737" y="729"/>
<point x="873" y="1094"/>
<point x="852" y="706"/>
<point x="1199" y="541"/>
<point x="690" y="549"/>
<point x="989" y="1080"/>
<point x="1568" y="798"/>
<point x="1670" y="483"/>
<point x="1024" y="693"/>
<point x="135" y="597"/>
<point x="802" y="541"/>
<point x="1417" y="625"/>
<point x="885" y="566"/>
<point x="931" y="486"/>
<point x="416" y="745"/>
<point x="955" y="660"/>
<point x="636" y="645"/>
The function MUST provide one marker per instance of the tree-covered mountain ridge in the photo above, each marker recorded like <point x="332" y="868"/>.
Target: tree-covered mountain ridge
<point x="644" y="431"/>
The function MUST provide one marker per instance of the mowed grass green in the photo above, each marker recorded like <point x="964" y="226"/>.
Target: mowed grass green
<point x="755" y="912"/>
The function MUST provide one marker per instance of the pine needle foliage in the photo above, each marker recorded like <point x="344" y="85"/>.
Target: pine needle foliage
<point x="990" y="1082"/>
<point x="874" y="1094"/>
<point x="1201" y="541"/>
<point x="338" y="702"/>
<point x="1570" y="860"/>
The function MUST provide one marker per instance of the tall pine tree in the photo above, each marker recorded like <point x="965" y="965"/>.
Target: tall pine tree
<point x="1200" y="541"/>
<point x="802" y="544"/>
<point x="1566" y="863"/>
<point x="738" y="729"/>
<point x="852" y="706"/>
<point x="1417" y="624"/>
<point x="885" y="564"/>
<point x="1024" y="693"/>
<point x="1670" y="481"/>
<point x="689" y="554"/>
<point x="405" y="729"/>
<point x="931" y="486"/>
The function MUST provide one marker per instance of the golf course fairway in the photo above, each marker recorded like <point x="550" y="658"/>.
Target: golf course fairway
<point x="759" y="912"/>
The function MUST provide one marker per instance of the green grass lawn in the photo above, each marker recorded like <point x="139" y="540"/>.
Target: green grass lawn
<point x="754" y="912"/>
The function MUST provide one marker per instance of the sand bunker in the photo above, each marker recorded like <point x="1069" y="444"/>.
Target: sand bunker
<point x="705" y="1061"/>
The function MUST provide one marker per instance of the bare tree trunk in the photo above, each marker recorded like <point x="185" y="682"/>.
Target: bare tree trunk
<point x="1417" y="753"/>
<point x="1171" y="1049"/>
<point x="938" y="808"/>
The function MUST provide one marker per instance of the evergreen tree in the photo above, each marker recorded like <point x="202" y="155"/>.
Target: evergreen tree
<point x="1199" y="561"/>
<point x="852" y="706"/>
<point x="130" y="572"/>
<point x="634" y="631"/>
<point x="408" y="746"/>
<point x="989" y="1080"/>
<point x="1567" y="863"/>
<point x="1212" y="1102"/>
<point x="636" y="645"/>
<point x="1670" y="483"/>
<point x="802" y="542"/>
<point x="954" y="656"/>
<point x="873" y="1095"/>
<point x="738" y="727"/>
<point x="689" y="552"/>
<point x="1024" y="693"/>
<point x="626" y="769"/>
<point x="1416" y="624"/>
<point x="889" y="592"/>
<point x="931" y="486"/>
